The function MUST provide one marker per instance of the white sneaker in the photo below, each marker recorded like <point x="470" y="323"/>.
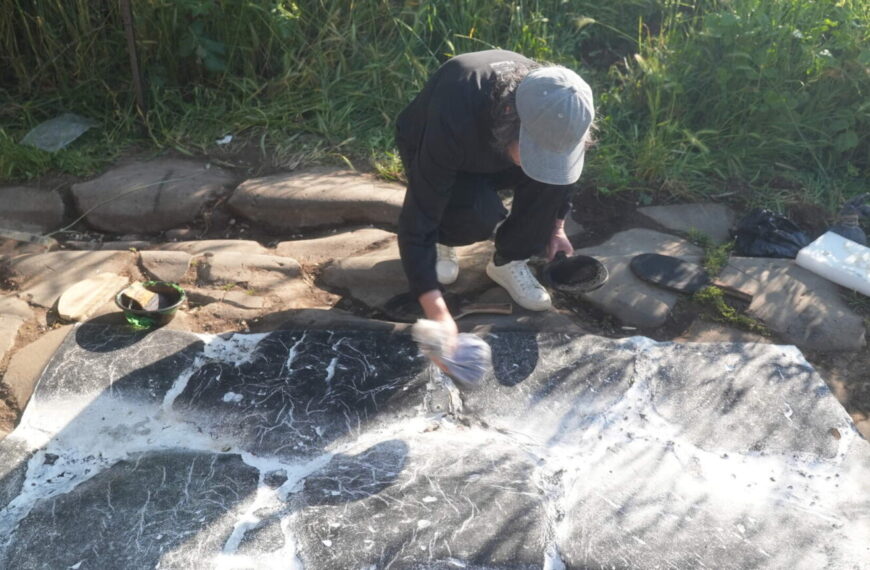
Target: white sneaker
<point x="517" y="278"/>
<point x="447" y="266"/>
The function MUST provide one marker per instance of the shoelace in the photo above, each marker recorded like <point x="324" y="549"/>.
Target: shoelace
<point x="523" y="276"/>
<point x="445" y="253"/>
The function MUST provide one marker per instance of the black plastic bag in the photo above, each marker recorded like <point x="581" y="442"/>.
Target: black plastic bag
<point x="762" y="233"/>
<point x="848" y="222"/>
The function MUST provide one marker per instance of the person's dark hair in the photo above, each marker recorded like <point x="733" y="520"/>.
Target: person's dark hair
<point x="505" y="120"/>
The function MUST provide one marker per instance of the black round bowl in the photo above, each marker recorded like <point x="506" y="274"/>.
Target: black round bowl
<point x="575" y="274"/>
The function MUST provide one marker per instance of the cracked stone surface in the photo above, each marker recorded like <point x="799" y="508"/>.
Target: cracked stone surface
<point x="343" y="449"/>
<point x="150" y="196"/>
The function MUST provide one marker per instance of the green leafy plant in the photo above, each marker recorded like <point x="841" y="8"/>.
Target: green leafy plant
<point x="714" y="299"/>
<point x="715" y="255"/>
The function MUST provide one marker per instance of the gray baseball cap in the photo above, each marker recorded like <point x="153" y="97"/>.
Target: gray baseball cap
<point x="555" y="109"/>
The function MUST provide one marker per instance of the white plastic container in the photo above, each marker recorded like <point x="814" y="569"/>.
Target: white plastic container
<point x="838" y="259"/>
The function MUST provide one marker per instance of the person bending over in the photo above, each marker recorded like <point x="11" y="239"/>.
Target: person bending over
<point x="487" y="121"/>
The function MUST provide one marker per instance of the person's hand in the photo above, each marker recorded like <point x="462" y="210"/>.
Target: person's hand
<point x="559" y="242"/>
<point x="435" y="309"/>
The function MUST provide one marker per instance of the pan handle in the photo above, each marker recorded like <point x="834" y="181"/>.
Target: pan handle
<point x="484" y="308"/>
<point x="733" y="292"/>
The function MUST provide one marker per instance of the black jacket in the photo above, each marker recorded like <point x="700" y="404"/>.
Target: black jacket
<point x="446" y="129"/>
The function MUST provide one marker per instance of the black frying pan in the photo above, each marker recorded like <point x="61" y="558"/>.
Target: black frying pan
<point x="679" y="275"/>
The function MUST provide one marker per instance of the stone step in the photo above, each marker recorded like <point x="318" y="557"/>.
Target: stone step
<point x="802" y="307"/>
<point x="41" y="278"/>
<point x="150" y="197"/>
<point x="714" y="220"/>
<point x="375" y="279"/>
<point x="632" y="301"/>
<point x="317" y="198"/>
<point x="337" y="246"/>
<point x="30" y="209"/>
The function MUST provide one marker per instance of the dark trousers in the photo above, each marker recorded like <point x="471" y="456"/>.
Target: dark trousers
<point x="475" y="209"/>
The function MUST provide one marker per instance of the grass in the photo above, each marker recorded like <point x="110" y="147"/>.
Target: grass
<point x="758" y="102"/>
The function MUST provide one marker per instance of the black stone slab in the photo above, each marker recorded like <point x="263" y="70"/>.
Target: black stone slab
<point x="344" y="449"/>
<point x="451" y="500"/>
<point x="139" y="513"/>
<point x="298" y="391"/>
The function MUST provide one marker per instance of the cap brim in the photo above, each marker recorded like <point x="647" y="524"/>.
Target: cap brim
<point x="547" y="166"/>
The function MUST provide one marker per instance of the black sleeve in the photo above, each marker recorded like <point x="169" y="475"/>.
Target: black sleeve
<point x="566" y="204"/>
<point x="432" y="172"/>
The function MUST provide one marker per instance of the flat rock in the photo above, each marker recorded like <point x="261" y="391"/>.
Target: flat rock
<point x="149" y="197"/>
<point x="13" y="313"/>
<point x="317" y="197"/>
<point x="375" y="279"/>
<point x="41" y="278"/>
<point x="632" y="301"/>
<point x="715" y="220"/>
<point x="84" y="298"/>
<point x="640" y="240"/>
<point x="251" y="271"/>
<point x="131" y="245"/>
<point x="12" y="306"/>
<point x="326" y="318"/>
<point x="11" y="248"/>
<point x="237" y="286"/>
<point x="224" y="317"/>
<point x="9" y="327"/>
<point x="802" y="307"/>
<point x="234" y="297"/>
<point x="30" y="209"/>
<point x="168" y="266"/>
<point x="215" y="246"/>
<point x="579" y="452"/>
<point x="336" y="246"/>
<point x="27" y="364"/>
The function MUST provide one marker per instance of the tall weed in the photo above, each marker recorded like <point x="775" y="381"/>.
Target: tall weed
<point x="759" y="100"/>
<point x="755" y="96"/>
